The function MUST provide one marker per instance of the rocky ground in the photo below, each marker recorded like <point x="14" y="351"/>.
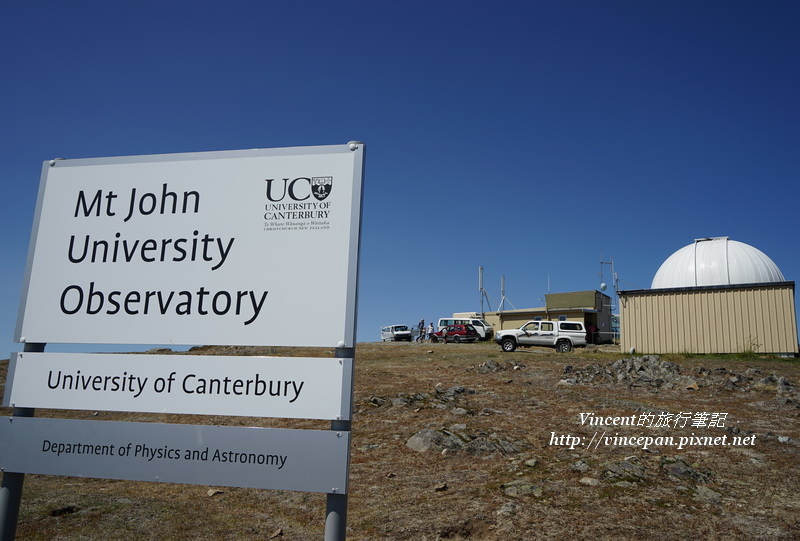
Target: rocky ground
<point x="462" y="441"/>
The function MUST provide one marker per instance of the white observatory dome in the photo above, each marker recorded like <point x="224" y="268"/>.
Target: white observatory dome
<point x="716" y="261"/>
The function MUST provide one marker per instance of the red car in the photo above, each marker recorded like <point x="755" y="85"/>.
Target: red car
<point x="456" y="333"/>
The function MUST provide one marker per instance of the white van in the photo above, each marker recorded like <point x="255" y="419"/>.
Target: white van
<point x="484" y="329"/>
<point x="395" y="333"/>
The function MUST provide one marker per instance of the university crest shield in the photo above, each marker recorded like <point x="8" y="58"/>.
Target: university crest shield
<point x="321" y="187"/>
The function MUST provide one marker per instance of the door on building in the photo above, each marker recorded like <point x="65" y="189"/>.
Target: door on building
<point x="592" y="331"/>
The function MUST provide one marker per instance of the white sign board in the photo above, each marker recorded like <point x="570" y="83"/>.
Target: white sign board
<point x="255" y="247"/>
<point x="287" y="387"/>
<point x="280" y="459"/>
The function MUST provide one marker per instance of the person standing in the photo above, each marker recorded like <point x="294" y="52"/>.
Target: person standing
<point x="421" y="330"/>
<point x="430" y="331"/>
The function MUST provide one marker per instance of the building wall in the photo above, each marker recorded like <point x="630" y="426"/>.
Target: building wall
<point x="588" y="307"/>
<point x="513" y="319"/>
<point x="575" y="299"/>
<point x="596" y="308"/>
<point x="724" y="319"/>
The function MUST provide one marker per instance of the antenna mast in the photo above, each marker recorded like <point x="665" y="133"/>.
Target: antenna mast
<point x="483" y="293"/>
<point x="503" y="298"/>
<point x="614" y="278"/>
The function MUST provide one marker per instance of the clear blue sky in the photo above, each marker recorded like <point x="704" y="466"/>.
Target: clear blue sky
<point x="526" y="137"/>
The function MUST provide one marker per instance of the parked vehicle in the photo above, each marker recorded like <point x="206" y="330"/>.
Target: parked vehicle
<point x="485" y="330"/>
<point x="562" y="335"/>
<point x="456" y="333"/>
<point x="395" y="333"/>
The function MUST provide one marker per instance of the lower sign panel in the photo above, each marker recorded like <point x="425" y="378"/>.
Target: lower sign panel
<point x="268" y="458"/>
<point x="290" y="387"/>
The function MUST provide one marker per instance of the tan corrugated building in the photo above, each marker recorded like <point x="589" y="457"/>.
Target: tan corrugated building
<point x="713" y="296"/>
<point x="592" y="308"/>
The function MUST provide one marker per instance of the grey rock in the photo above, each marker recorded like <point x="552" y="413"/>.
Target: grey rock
<point x="646" y="371"/>
<point x="491" y="366"/>
<point x="507" y="509"/>
<point x="449" y="442"/>
<point x="706" y="495"/>
<point x="428" y="439"/>
<point x="679" y="469"/>
<point x="625" y="470"/>
<point x="522" y="488"/>
<point x="580" y="466"/>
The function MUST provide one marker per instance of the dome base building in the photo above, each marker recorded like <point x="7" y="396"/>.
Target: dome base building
<point x="713" y="296"/>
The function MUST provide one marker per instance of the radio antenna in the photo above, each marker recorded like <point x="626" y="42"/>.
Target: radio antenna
<point x="503" y="298"/>
<point x="483" y="293"/>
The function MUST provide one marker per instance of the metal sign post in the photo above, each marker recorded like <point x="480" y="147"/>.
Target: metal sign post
<point x="11" y="491"/>
<point x="336" y="504"/>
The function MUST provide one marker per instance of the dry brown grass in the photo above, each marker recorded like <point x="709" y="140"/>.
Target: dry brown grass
<point x="400" y="493"/>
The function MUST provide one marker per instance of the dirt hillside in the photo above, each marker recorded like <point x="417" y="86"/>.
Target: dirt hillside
<point x="462" y="441"/>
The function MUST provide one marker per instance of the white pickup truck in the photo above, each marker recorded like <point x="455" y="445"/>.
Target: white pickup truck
<point x="562" y="335"/>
